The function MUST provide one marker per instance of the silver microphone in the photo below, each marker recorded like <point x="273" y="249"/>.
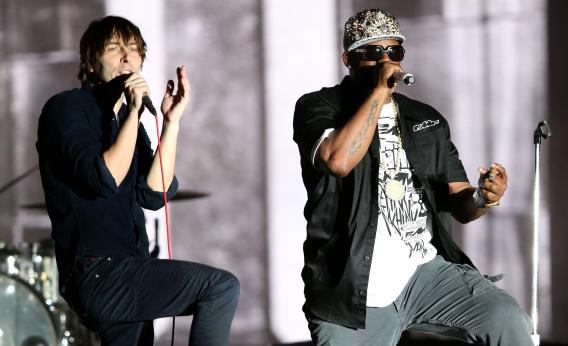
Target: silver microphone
<point x="404" y="77"/>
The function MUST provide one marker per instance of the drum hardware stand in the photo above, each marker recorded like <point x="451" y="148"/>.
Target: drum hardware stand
<point x="156" y="250"/>
<point x="14" y="181"/>
<point x="542" y="132"/>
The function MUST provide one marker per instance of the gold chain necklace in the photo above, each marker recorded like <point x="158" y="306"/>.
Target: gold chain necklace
<point x="393" y="187"/>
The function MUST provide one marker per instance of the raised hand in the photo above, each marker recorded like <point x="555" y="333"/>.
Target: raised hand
<point x="173" y="105"/>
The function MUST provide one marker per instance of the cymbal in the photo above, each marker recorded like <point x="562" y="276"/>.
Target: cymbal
<point x="14" y="181"/>
<point x="34" y="206"/>
<point x="180" y="196"/>
<point x="183" y="195"/>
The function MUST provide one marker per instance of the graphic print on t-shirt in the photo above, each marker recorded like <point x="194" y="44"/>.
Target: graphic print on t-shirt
<point x="407" y="218"/>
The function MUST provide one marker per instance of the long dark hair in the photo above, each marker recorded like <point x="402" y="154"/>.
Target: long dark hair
<point x="97" y="35"/>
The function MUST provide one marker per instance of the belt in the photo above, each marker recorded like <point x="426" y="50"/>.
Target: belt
<point x="86" y="260"/>
<point x="83" y="262"/>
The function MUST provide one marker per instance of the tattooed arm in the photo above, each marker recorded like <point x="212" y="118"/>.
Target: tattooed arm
<point x="344" y="148"/>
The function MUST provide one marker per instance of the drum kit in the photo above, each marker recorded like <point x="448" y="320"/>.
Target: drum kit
<point x="33" y="313"/>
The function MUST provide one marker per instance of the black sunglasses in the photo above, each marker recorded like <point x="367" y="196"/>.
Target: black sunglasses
<point x="375" y="53"/>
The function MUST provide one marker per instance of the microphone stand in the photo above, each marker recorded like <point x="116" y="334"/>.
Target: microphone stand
<point x="542" y="132"/>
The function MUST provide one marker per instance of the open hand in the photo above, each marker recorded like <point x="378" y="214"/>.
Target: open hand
<point x="173" y="105"/>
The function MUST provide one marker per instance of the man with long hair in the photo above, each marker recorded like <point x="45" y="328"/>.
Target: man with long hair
<point x="98" y="172"/>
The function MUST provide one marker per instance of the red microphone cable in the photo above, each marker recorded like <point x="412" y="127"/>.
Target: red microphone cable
<point x="164" y="190"/>
<point x="159" y="149"/>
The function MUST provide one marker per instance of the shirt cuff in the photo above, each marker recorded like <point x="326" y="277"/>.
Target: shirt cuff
<point x="154" y="200"/>
<point x="107" y="185"/>
<point x="316" y="146"/>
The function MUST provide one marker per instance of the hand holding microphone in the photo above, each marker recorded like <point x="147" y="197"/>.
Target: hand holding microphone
<point x="137" y="93"/>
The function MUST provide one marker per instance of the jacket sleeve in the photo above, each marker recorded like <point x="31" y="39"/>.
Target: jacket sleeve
<point x="146" y="197"/>
<point x="312" y="117"/>
<point x="66" y="135"/>
<point x="456" y="172"/>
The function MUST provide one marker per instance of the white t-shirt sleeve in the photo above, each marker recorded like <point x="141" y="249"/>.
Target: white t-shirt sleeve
<point x="315" y="149"/>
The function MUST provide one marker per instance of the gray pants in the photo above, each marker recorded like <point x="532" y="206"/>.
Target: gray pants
<point x="441" y="297"/>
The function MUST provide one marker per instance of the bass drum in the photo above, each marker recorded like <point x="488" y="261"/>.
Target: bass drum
<point x="25" y="320"/>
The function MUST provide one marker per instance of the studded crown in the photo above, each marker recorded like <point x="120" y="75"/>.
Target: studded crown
<point x="368" y="26"/>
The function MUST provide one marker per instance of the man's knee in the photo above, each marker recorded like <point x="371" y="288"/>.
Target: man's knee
<point x="228" y="286"/>
<point x="234" y="285"/>
<point x="507" y="316"/>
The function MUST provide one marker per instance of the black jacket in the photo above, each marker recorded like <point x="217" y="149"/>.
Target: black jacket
<point x="341" y="213"/>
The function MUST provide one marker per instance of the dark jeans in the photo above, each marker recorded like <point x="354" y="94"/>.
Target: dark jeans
<point x="115" y="297"/>
<point x="441" y="297"/>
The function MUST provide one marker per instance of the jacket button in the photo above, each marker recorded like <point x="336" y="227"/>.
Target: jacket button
<point x="361" y="292"/>
<point x="367" y="258"/>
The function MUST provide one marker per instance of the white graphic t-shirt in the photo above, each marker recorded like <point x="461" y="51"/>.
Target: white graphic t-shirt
<point x="404" y="227"/>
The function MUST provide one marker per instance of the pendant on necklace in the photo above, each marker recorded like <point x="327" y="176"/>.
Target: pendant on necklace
<point x="394" y="189"/>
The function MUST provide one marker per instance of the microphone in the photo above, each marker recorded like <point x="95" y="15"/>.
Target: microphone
<point x="402" y="76"/>
<point x="148" y="104"/>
